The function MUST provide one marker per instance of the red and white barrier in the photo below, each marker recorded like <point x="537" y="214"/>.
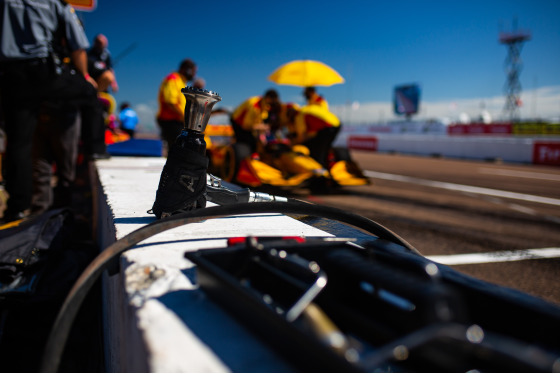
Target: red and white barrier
<point x="546" y="153"/>
<point x="518" y="149"/>
<point x="363" y="142"/>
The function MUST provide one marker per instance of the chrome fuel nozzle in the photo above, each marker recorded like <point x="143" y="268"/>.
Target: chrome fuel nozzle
<point x="224" y="193"/>
<point x="198" y="107"/>
<point x="182" y="185"/>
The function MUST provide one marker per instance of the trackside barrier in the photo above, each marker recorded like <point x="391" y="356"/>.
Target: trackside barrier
<point x="527" y="150"/>
<point x="523" y="128"/>
<point x="363" y="142"/>
<point x="546" y="153"/>
<point x="480" y="128"/>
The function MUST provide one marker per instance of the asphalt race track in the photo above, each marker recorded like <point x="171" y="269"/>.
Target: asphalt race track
<point x="506" y="217"/>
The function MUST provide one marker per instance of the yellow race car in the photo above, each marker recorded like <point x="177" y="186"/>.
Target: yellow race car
<point x="278" y="164"/>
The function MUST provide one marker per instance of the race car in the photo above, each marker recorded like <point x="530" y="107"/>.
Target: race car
<point x="278" y="164"/>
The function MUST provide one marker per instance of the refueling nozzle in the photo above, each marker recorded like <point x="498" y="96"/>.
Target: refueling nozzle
<point x="182" y="185"/>
<point x="198" y="107"/>
<point x="223" y="193"/>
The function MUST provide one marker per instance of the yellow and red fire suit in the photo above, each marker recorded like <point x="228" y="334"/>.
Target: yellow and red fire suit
<point x="318" y="100"/>
<point x="171" y="100"/>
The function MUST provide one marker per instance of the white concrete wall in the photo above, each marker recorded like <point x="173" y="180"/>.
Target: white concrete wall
<point x="156" y="318"/>
<point x="506" y="148"/>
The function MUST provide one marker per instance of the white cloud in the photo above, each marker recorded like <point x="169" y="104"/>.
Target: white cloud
<point x="538" y="103"/>
<point x="146" y="117"/>
<point x="543" y="103"/>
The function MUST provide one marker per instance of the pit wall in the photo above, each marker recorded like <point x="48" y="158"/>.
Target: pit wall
<point x="476" y="142"/>
<point x="523" y="128"/>
<point x="155" y="317"/>
<point x="475" y="128"/>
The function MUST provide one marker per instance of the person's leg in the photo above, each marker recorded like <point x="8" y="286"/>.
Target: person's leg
<point x="170" y="130"/>
<point x="317" y="148"/>
<point x="130" y="132"/>
<point x="75" y="90"/>
<point x="93" y="129"/>
<point x="320" y="145"/>
<point x="65" y="148"/>
<point x="164" y="133"/>
<point x="21" y="123"/>
<point x="42" y="158"/>
<point x="22" y="85"/>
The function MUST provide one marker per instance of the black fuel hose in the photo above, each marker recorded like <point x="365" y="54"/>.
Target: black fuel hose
<point x="65" y="318"/>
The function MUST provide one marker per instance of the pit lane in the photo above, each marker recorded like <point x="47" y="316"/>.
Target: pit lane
<point x="446" y="207"/>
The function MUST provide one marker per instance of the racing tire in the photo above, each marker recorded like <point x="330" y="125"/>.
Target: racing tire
<point x="233" y="157"/>
<point x="322" y="186"/>
<point x="341" y="154"/>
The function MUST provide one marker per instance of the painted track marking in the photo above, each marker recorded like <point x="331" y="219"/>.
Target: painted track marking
<point x="520" y="174"/>
<point x="463" y="188"/>
<point x="503" y="256"/>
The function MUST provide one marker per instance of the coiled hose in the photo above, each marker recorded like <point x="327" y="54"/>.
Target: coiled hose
<point x="65" y="318"/>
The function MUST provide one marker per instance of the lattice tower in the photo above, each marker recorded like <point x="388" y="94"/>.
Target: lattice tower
<point x="514" y="43"/>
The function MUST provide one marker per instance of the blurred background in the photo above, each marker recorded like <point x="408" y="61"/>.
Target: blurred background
<point x="453" y="52"/>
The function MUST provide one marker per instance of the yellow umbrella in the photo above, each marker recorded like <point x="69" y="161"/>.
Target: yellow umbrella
<point x="305" y="73"/>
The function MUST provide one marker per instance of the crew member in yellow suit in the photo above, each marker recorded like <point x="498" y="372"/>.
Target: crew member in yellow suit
<point x="256" y="117"/>
<point x="314" y="127"/>
<point x="313" y="98"/>
<point x="171" y="113"/>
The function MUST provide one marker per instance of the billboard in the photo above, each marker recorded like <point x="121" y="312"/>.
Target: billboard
<point x="546" y="153"/>
<point x="363" y="142"/>
<point x="406" y="99"/>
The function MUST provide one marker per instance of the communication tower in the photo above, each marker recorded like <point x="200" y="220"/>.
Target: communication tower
<point x="514" y="42"/>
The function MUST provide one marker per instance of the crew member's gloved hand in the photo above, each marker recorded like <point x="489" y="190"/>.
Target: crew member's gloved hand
<point x="182" y="186"/>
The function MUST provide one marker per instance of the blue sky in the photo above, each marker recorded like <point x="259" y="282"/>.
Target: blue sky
<point x="450" y="48"/>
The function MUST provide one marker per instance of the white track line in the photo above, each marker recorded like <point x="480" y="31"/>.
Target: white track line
<point x="464" y="188"/>
<point x="519" y="174"/>
<point x="504" y="256"/>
